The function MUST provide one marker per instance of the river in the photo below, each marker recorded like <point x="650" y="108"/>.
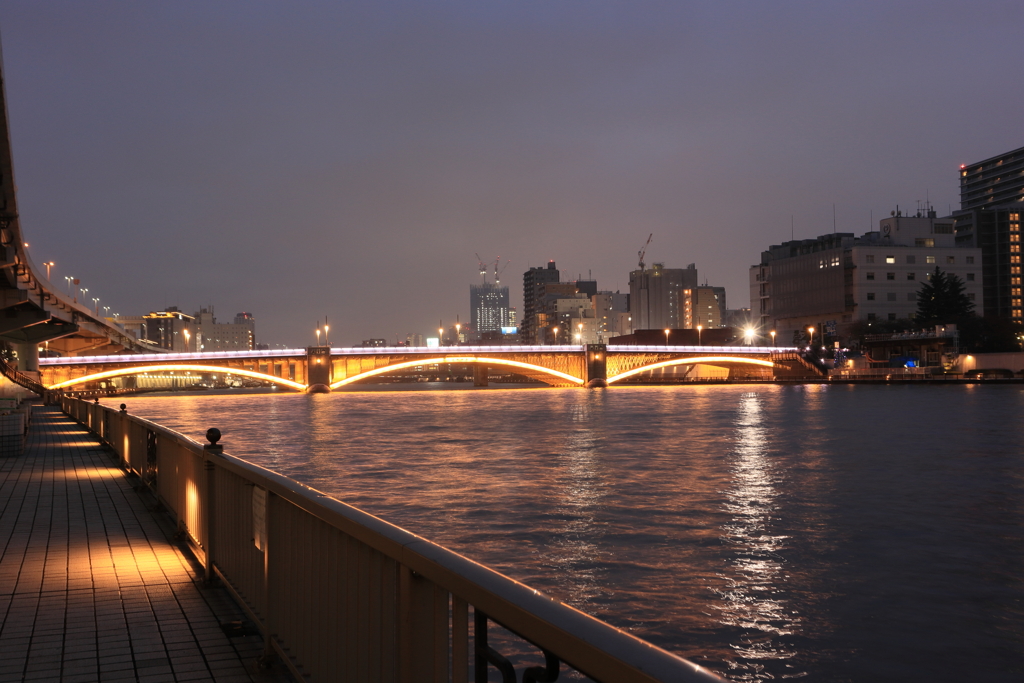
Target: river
<point x="825" y="533"/>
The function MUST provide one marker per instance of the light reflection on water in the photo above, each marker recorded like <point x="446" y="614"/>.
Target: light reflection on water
<point x="826" y="533"/>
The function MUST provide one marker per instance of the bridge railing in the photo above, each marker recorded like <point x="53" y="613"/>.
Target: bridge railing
<point x="341" y="595"/>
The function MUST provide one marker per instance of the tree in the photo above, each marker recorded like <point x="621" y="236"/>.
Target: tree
<point x="942" y="300"/>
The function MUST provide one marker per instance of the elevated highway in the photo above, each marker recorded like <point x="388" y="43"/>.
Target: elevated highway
<point x="32" y="310"/>
<point x="324" y="368"/>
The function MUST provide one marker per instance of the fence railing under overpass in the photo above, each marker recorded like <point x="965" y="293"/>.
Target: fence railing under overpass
<point x="341" y="595"/>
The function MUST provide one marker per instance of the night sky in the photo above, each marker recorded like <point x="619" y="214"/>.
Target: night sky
<point x="347" y="159"/>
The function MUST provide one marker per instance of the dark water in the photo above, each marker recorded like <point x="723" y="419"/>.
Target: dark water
<point x="871" y="533"/>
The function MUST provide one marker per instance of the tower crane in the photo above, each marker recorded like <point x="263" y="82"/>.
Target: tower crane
<point x="483" y="268"/>
<point x="497" y="272"/>
<point x="643" y="252"/>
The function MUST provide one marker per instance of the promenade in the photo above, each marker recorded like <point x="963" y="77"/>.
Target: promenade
<point x="92" y="586"/>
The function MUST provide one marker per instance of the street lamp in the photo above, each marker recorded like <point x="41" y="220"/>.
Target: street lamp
<point x="188" y="335"/>
<point x="106" y="311"/>
<point x="458" y="333"/>
<point x="579" y="335"/>
<point x="699" y="328"/>
<point x="49" y="264"/>
<point x="749" y="334"/>
<point x="667" y="332"/>
<point x="555" y="332"/>
<point x="327" y="332"/>
<point x="96" y="303"/>
<point x="84" y="291"/>
<point x="440" y="336"/>
<point x="811" y="330"/>
<point x="773" y="337"/>
<point x="318" y="335"/>
<point x="69" y="279"/>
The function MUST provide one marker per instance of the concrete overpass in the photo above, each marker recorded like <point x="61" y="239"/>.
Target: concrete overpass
<point x="33" y="311"/>
<point x="322" y="368"/>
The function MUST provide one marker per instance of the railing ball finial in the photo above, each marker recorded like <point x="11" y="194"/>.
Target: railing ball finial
<point x="213" y="435"/>
<point x="124" y="408"/>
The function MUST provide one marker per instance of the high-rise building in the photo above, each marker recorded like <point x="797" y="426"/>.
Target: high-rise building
<point x="704" y="306"/>
<point x="167" y="329"/>
<point x="535" y="281"/>
<point x="488" y="307"/>
<point x="655" y="296"/>
<point x="991" y="204"/>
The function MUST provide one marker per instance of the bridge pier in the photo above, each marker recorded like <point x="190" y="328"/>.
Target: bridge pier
<point x="318" y="369"/>
<point x="597" y="365"/>
<point x="28" y="356"/>
<point x="479" y="375"/>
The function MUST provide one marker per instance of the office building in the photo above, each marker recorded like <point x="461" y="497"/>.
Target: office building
<point x="488" y="307"/>
<point x="839" y="279"/>
<point x="211" y="335"/>
<point x="991" y="203"/>
<point x="655" y="296"/>
<point x="167" y="329"/>
<point x="704" y="306"/>
<point x="535" y="282"/>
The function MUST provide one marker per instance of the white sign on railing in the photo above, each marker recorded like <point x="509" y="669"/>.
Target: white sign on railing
<point x="259" y="517"/>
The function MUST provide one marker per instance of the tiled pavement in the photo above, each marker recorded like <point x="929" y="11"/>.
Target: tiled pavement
<point x="92" y="588"/>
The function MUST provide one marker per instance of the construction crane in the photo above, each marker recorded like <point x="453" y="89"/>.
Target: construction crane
<point x="497" y="272"/>
<point x="483" y="268"/>
<point x="643" y="252"/>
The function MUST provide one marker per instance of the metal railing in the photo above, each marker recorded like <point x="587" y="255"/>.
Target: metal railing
<point x="341" y="595"/>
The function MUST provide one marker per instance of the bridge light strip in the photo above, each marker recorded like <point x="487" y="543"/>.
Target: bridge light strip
<point x="694" y="361"/>
<point x="455" y="359"/>
<point x="138" y="370"/>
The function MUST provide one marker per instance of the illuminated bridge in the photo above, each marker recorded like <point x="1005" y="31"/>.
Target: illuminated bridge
<point x="321" y="368"/>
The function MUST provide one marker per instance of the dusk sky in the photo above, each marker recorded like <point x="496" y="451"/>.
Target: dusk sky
<point x="347" y="159"/>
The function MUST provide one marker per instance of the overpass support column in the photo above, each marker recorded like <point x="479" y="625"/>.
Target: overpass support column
<point x="318" y="369"/>
<point x="28" y="356"/>
<point x="479" y="374"/>
<point x="597" y="365"/>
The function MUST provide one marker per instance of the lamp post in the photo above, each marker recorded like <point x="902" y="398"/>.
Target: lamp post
<point x="106" y="311"/>
<point x="555" y="332"/>
<point x="749" y="334"/>
<point x="69" y="279"/>
<point x="84" y="291"/>
<point x="699" y="328"/>
<point x="811" y="330"/>
<point x="327" y="332"/>
<point x="440" y="336"/>
<point x="667" y="332"/>
<point x="773" y="337"/>
<point x="49" y="264"/>
<point x="96" y="303"/>
<point x="458" y="333"/>
<point x="188" y="335"/>
<point x="318" y="335"/>
<point x="579" y="334"/>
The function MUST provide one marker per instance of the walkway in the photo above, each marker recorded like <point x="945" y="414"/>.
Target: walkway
<point x="91" y="586"/>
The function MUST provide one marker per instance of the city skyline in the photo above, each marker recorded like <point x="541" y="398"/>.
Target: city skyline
<point x="349" y="162"/>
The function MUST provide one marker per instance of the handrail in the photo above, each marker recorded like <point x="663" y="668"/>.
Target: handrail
<point x="20" y="378"/>
<point x="342" y="595"/>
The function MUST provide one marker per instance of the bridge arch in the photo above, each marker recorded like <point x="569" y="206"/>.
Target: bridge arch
<point x="697" y="360"/>
<point x="529" y="367"/>
<point x="140" y="369"/>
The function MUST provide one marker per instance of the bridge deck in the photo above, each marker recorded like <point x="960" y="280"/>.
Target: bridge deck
<point x="91" y="586"/>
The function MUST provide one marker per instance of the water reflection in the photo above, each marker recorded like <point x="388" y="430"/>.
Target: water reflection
<point x="753" y="601"/>
<point x="575" y="549"/>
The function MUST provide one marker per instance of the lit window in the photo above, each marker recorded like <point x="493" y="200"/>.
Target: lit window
<point x="871" y="296"/>
<point x="1015" y="291"/>
<point x="890" y="259"/>
<point x="1014" y="259"/>
<point x="890" y="276"/>
<point x="871" y="276"/>
<point x="910" y="276"/>
<point x="1015" y="303"/>
<point x="929" y="259"/>
<point x="1015" y="237"/>
<point x="1016" y="313"/>
<point x="1014" y="248"/>
<point x="1015" y="270"/>
<point x="1014" y="280"/>
<point x="924" y="242"/>
<point x="950" y="259"/>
